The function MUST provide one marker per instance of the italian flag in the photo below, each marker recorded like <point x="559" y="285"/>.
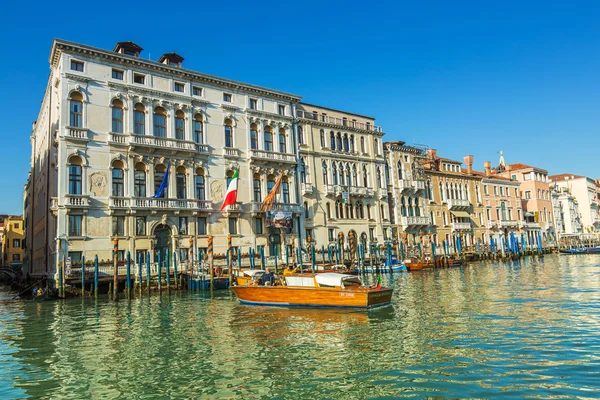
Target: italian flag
<point x="231" y="195"/>
<point x="378" y="282"/>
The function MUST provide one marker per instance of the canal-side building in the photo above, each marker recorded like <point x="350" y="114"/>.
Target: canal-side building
<point x="455" y="201"/>
<point x="567" y="218"/>
<point x="502" y="202"/>
<point x="114" y="127"/>
<point x="584" y="190"/>
<point x="13" y="240"/>
<point x="536" y="201"/>
<point x="407" y="190"/>
<point x="342" y="175"/>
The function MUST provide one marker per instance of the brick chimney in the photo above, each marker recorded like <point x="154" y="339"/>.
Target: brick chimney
<point x="488" y="168"/>
<point x="469" y="163"/>
<point x="432" y="153"/>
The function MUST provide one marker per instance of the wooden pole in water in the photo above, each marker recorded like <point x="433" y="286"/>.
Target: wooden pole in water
<point x="341" y="244"/>
<point x="148" y="271"/>
<point x="175" y="268"/>
<point x="159" y="271"/>
<point x="211" y="262"/>
<point x="128" y="274"/>
<point x="82" y="276"/>
<point x="116" y="267"/>
<point x="168" y="268"/>
<point x="96" y="276"/>
<point x="229" y="258"/>
<point x="140" y="270"/>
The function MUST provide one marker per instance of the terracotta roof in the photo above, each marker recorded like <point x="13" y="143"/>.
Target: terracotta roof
<point x="563" y="177"/>
<point x="492" y="176"/>
<point x="517" y="166"/>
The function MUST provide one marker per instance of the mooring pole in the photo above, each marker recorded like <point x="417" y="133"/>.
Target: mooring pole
<point x="211" y="262"/>
<point x="128" y="274"/>
<point x="82" y="276"/>
<point x="116" y="267"/>
<point x="159" y="270"/>
<point x="96" y="276"/>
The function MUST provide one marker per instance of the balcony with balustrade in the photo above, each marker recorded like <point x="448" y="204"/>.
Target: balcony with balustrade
<point x="458" y="204"/>
<point x="530" y="225"/>
<point x="263" y="155"/>
<point x="255" y="207"/>
<point x="151" y="203"/>
<point x="461" y="226"/>
<point x="307" y="189"/>
<point x="415" y="221"/>
<point x="338" y="121"/>
<point x="357" y="191"/>
<point x="230" y="152"/>
<point x="153" y="142"/>
<point x="76" y="134"/>
<point x="76" y="201"/>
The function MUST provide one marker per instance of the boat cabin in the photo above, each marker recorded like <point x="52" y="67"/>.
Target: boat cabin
<point x="324" y="280"/>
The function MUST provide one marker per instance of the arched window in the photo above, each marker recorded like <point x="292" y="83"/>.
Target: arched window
<point x="323" y="144"/>
<point x="76" y="110"/>
<point x="118" y="179"/>
<point x="268" y="139"/>
<point x="139" y="119"/>
<point x="228" y="133"/>
<point x="200" y="184"/>
<point x="160" y="122"/>
<point x="75" y="175"/>
<point x="180" y="182"/>
<point x="417" y="208"/>
<point x="352" y="148"/>
<point x="379" y="182"/>
<point x="346" y="143"/>
<point x="354" y="176"/>
<point x="382" y="210"/>
<point x="411" y="211"/>
<point x="365" y="176"/>
<point x="302" y="170"/>
<point x="198" y="130"/>
<point x="324" y="168"/>
<point x="256" y="188"/>
<point x="253" y="137"/>
<point x="179" y="125"/>
<point x="334" y="173"/>
<point x="403" y="207"/>
<point x="117" y="116"/>
<point x="300" y="137"/>
<point x="159" y="174"/>
<point x="362" y="144"/>
<point x="332" y="139"/>
<point x="350" y="208"/>
<point x="399" y="168"/>
<point x="348" y="175"/>
<point x="361" y="210"/>
<point x="328" y="209"/>
<point x="139" y="180"/>
<point x="282" y="146"/>
<point x="338" y="143"/>
<point x="270" y="183"/>
<point x="285" y="190"/>
<point x="337" y="210"/>
<point x="306" y="213"/>
<point x="387" y="173"/>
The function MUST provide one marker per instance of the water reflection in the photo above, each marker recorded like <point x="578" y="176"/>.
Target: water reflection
<point x="525" y="328"/>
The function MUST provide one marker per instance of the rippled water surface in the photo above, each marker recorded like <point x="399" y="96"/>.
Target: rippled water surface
<point x="489" y="330"/>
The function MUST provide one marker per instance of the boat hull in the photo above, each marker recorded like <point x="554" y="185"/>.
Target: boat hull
<point x="585" y="250"/>
<point x="286" y="296"/>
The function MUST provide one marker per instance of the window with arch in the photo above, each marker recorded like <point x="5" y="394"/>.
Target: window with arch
<point x="379" y="181"/>
<point x="382" y="210"/>
<point x="302" y="170"/>
<point x="338" y="141"/>
<point x="285" y="190"/>
<point x="228" y="133"/>
<point x="180" y="182"/>
<point x="387" y="173"/>
<point x="76" y="110"/>
<point x="268" y="142"/>
<point x="117" y="116"/>
<point x="399" y="168"/>
<point x="200" y="184"/>
<point x="270" y="183"/>
<point x="75" y="175"/>
<point x="334" y="173"/>
<point x="300" y="136"/>
<point x="159" y="174"/>
<point x="354" y="176"/>
<point x="328" y="210"/>
<point x="118" y="179"/>
<point x="253" y="137"/>
<point x="256" y="188"/>
<point x="403" y="207"/>
<point x="362" y="144"/>
<point x="282" y="145"/>
<point x="348" y="175"/>
<point x="179" y="125"/>
<point x="352" y="148"/>
<point x="139" y="119"/>
<point x="332" y="139"/>
<point x="346" y="143"/>
<point x="160" y="122"/>
<point x="337" y="209"/>
<point x="139" y="180"/>
<point x="198" y="130"/>
<point x="411" y="211"/>
<point x="324" y="169"/>
<point x="323" y="144"/>
<point x="365" y="176"/>
<point x="417" y="208"/>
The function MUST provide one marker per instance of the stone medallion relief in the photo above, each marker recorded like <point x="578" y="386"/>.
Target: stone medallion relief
<point x="98" y="184"/>
<point x="217" y="190"/>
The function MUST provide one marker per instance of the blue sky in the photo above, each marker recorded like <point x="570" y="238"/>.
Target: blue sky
<point x="462" y="77"/>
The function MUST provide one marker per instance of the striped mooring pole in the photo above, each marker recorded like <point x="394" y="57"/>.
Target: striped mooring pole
<point x="116" y="272"/>
<point x="211" y="261"/>
<point x="229" y="258"/>
<point x="352" y="246"/>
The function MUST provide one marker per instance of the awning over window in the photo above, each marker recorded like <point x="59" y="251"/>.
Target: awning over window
<point x="461" y="214"/>
<point x="529" y="214"/>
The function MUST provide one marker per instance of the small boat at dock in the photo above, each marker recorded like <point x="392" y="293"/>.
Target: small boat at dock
<point x="581" y="250"/>
<point x="315" y="290"/>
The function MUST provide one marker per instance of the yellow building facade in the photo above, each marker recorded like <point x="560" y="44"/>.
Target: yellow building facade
<point x="12" y="246"/>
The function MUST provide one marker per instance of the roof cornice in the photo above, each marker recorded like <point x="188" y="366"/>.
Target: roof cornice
<point x="59" y="46"/>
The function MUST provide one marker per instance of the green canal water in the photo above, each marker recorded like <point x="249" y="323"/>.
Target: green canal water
<point x="488" y="330"/>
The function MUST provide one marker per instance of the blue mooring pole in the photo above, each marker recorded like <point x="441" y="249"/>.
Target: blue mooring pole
<point x="96" y="276"/>
<point x="128" y="272"/>
<point x="148" y="270"/>
<point x="168" y="268"/>
<point x="140" y="270"/>
<point x="175" y="267"/>
<point x="82" y="276"/>
<point x="159" y="271"/>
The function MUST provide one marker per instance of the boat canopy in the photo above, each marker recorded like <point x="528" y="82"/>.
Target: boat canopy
<point x="253" y="272"/>
<point x="334" y="279"/>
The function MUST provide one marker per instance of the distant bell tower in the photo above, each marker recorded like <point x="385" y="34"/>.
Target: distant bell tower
<point x="502" y="163"/>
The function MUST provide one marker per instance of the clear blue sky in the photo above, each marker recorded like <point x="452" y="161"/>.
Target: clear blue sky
<point x="463" y="77"/>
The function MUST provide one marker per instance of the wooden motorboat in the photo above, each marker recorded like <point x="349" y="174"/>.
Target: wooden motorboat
<point x="316" y="290"/>
<point x="417" y="265"/>
<point x="248" y="276"/>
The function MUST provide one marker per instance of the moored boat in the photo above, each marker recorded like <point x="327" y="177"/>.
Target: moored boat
<point x="581" y="250"/>
<point x="316" y="290"/>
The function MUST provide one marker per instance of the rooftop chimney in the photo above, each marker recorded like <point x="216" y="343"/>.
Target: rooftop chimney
<point x="469" y="163"/>
<point x="488" y="168"/>
<point x="128" y="48"/>
<point x="432" y="153"/>
<point x="172" y="59"/>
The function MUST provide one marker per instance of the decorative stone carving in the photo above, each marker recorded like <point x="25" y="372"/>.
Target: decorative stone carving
<point x="217" y="190"/>
<point x="163" y="219"/>
<point x="98" y="184"/>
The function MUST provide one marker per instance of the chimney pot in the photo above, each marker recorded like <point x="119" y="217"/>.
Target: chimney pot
<point x="488" y="168"/>
<point x="469" y="162"/>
